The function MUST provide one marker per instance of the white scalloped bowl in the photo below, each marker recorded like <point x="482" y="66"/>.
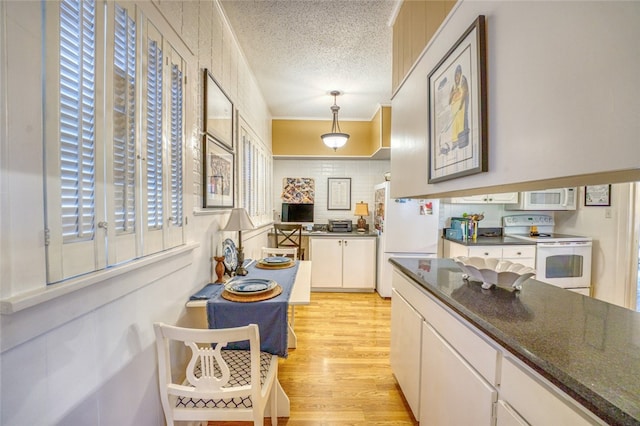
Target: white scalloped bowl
<point x="491" y="271"/>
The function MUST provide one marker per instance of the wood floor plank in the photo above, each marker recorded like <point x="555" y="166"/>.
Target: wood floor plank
<point x="340" y="374"/>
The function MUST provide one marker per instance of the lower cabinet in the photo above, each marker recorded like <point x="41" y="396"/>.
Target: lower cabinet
<point x="523" y="254"/>
<point x="536" y="401"/>
<point x="453" y="374"/>
<point x="406" y="325"/>
<point x="452" y="392"/>
<point x="343" y="263"/>
<point x="507" y="416"/>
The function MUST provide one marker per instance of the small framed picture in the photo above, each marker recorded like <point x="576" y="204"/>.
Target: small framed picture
<point x="597" y="195"/>
<point x="339" y="194"/>
<point x="218" y="174"/>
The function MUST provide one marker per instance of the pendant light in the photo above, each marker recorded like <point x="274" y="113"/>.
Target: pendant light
<point x="336" y="138"/>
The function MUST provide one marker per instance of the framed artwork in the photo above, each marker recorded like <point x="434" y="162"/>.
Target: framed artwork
<point x="339" y="194"/>
<point x="218" y="112"/>
<point x="457" y="95"/>
<point x="219" y="167"/>
<point x="597" y="195"/>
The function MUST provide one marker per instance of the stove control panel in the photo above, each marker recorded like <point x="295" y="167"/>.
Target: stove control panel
<point x="528" y="220"/>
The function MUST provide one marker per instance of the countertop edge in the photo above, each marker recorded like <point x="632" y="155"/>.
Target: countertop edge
<point x="592" y="401"/>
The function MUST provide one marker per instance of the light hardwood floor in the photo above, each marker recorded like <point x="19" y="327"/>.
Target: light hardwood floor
<point x="339" y="374"/>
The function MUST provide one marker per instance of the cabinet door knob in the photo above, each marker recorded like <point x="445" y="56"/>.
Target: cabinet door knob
<point x="519" y="253"/>
<point x="346" y="242"/>
<point x="486" y="253"/>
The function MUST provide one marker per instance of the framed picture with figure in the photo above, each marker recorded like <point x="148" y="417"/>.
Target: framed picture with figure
<point x="457" y="108"/>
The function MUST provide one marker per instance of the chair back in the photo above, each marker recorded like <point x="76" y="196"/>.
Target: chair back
<point x="219" y="384"/>
<point x="289" y="235"/>
<point x="287" y="252"/>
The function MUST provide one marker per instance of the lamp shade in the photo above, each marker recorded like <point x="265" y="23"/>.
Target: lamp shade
<point x="362" y="209"/>
<point x="335" y="140"/>
<point x="239" y="220"/>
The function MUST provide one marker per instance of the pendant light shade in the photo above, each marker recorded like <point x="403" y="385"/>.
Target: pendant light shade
<point x="336" y="138"/>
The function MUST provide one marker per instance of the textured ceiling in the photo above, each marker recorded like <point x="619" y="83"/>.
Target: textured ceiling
<point x="299" y="51"/>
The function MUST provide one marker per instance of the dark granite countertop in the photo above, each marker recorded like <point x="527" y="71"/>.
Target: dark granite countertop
<point x="588" y="348"/>
<point x="493" y="241"/>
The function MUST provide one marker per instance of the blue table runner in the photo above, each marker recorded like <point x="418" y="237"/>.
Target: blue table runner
<point x="270" y="315"/>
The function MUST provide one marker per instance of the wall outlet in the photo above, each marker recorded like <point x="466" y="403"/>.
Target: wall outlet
<point x="607" y="213"/>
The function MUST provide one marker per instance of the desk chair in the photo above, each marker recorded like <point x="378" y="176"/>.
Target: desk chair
<point x="220" y="384"/>
<point x="288" y="252"/>
<point x="289" y="235"/>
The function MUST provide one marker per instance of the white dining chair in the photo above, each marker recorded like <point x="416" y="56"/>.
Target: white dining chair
<point x="220" y="384"/>
<point x="288" y="252"/>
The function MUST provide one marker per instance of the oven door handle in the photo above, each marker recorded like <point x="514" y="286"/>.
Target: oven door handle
<point x="565" y="244"/>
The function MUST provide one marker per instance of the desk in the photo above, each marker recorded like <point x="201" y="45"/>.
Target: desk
<point x="300" y="295"/>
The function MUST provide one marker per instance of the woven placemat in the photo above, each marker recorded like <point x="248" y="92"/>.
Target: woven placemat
<point x="252" y="297"/>
<point x="275" y="266"/>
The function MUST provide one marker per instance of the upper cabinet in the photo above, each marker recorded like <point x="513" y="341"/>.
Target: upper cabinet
<point x="506" y="198"/>
<point x="416" y="23"/>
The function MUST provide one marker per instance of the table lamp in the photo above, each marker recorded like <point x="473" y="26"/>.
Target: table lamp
<point x="362" y="209"/>
<point x="239" y="220"/>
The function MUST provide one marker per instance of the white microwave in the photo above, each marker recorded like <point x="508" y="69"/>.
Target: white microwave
<point x="546" y="199"/>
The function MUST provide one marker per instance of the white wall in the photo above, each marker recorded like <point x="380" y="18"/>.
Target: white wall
<point x="560" y="101"/>
<point x="364" y="175"/>
<point x="613" y="239"/>
<point x="88" y="357"/>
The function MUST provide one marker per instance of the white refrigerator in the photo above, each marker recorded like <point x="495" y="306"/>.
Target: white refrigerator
<point x="406" y="227"/>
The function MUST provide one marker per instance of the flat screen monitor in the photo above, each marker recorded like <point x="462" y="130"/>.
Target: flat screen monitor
<point x="297" y="213"/>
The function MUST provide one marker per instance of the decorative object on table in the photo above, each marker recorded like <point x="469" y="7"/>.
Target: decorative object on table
<point x="494" y="272"/>
<point x="220" y="268"/>
<point x="298" y="190"/>
<point x="276" y="262"/>
<point x="245" y="286"/>
<point x="218" y="112"/>
<point x="239" y="220"/>
<point x="230" y="253"/>
<point x="362" y="209"/>
<point x="250" y="290"/>
<point x="218" y="175"/>
<point x="339" y="194"/>
<point x="597" y="195"/>
<point x="336" y="138"/>
<point x="457" y="102"/>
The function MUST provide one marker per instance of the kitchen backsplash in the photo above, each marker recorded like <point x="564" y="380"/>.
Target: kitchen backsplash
<point x="364" y="175"/>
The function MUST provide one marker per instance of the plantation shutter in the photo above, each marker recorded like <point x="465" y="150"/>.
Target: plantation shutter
<point x="124" y="126"/>
<point x="176" y="145"/>
<point x="77" y="119"/>
<point x="74" y="152"/>
<point x="154" y="136"/>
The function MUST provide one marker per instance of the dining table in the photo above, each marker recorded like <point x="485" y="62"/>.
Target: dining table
<point x="276" y="327"/>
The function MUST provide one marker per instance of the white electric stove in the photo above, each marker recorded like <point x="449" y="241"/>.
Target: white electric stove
<point x="561" y="260"/>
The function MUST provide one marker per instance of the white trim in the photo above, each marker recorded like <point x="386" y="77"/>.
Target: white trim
<point x="51" y="292"/>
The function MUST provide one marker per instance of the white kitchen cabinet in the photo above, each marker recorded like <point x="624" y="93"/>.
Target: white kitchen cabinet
<point x="523" y="254"/>
<point x="452" y="392"/>
<point x="505" y="198"/>
<point x="537" y="401"/>
<point x="406" y="325"/>
<point x="507" y="416"/>
<point x="343" y="263"/>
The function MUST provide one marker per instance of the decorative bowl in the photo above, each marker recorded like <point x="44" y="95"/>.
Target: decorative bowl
<point x="495" y="272"/>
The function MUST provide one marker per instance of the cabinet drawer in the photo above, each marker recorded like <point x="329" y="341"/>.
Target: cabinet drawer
<point x="495" y="252"/>
<point x="514" y="252"/>
<point x="537" y="401"/>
